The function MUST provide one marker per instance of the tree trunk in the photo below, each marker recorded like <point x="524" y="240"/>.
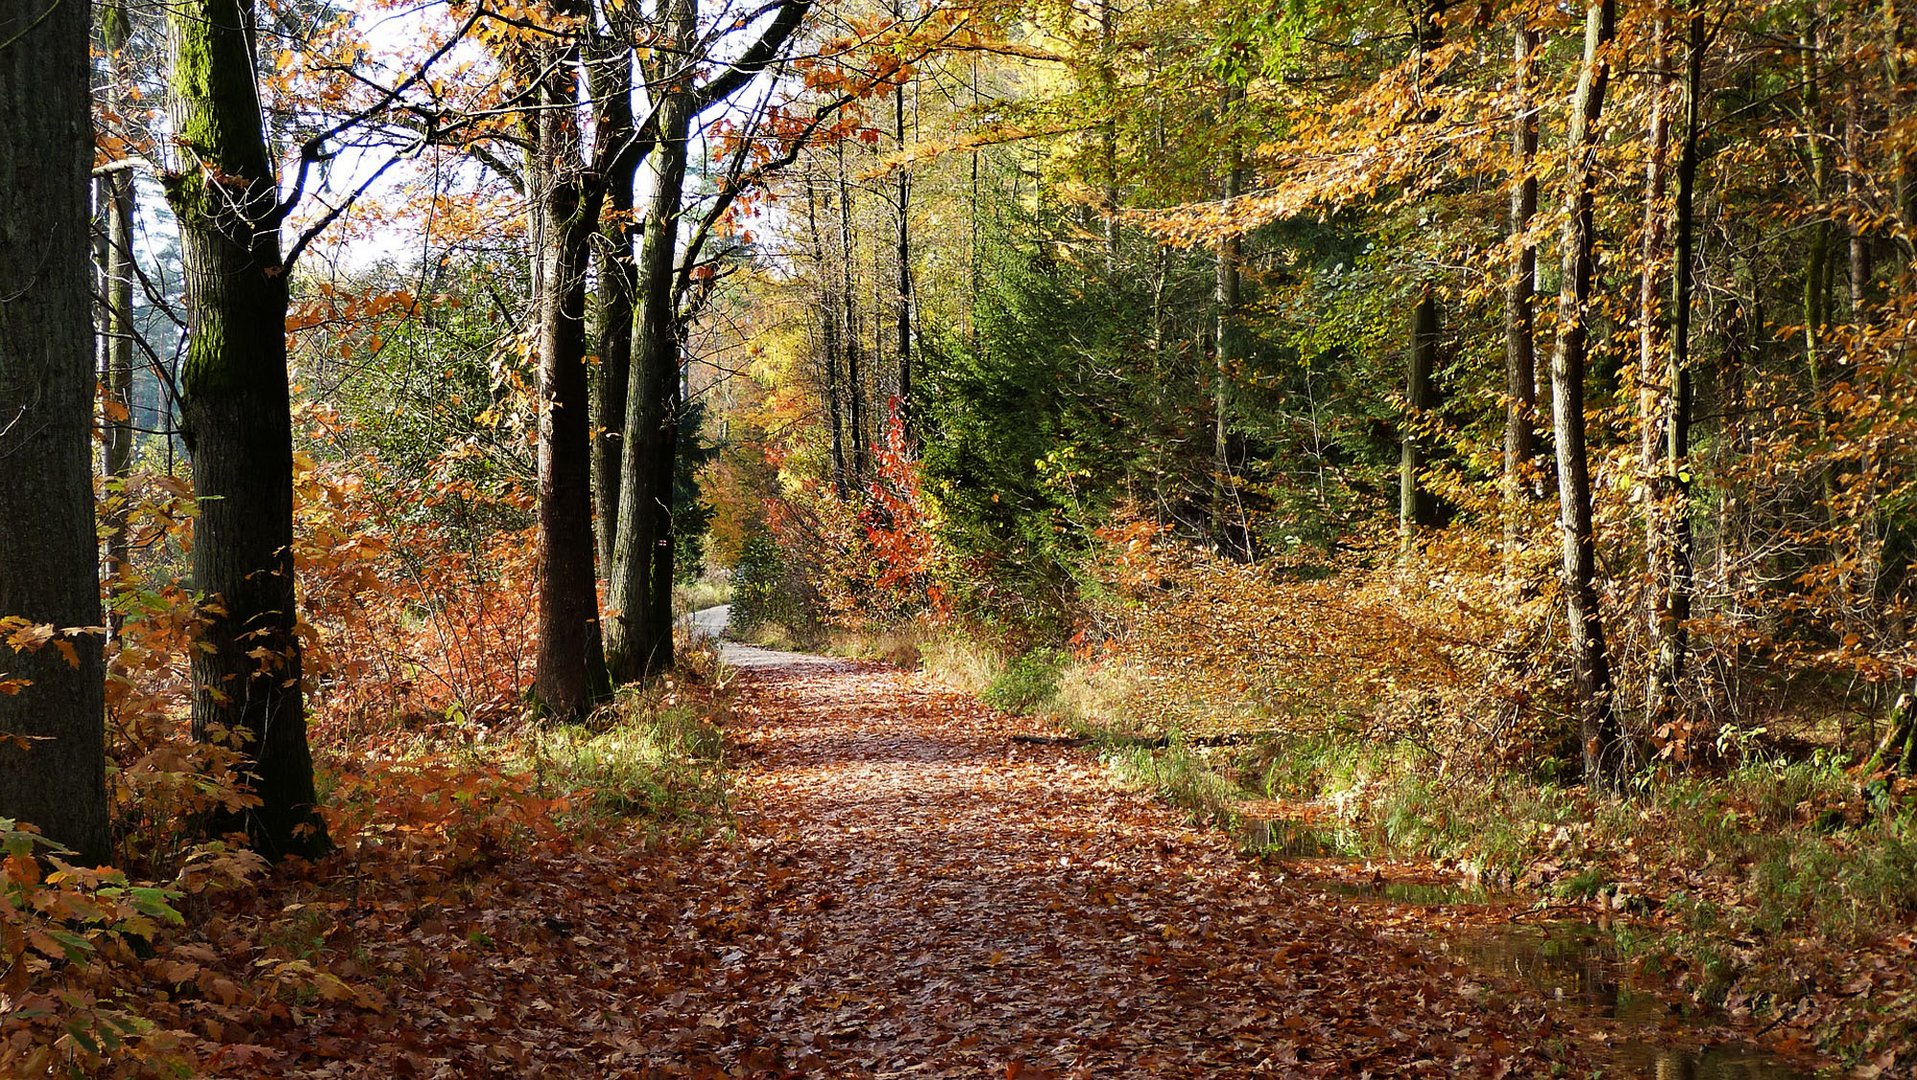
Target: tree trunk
<point x="1417" y="508"/>
<point x="1818" y="263"/>
<point x="1651" y="256"/>
<point x="568" y="674"/>
<point x="1860" y="255"/>
<point x="903" y="251"/>
<point x="829" y="329"/>
<point x="1228" y="528"/>
<point x="849" y="311"/>
<point x="1108" y="127"/>
<point x="1903" y="181"/>
<point x="1520" y="339"/>
<point x="1607" y="756"/>
<point x="639" y="634"/>
<point x="612" y="96"/>
<point x="52" y="735"/>
<point x="116" y="272"/>
<point x="1669" y="534"/>
<point x="1652" y="363"/>
<point x="237" y="418"/>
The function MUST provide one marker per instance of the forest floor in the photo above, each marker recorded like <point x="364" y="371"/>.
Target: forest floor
<point x="910" y="891"/>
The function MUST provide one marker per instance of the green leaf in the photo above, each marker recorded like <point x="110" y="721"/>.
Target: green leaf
<point x="157" y="903"/>
<point x="76" y="947"/>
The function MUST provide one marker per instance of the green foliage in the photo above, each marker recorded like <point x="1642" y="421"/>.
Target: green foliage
<point x="1181" y="777"/>
<point x="427" y="385"/>
<point x="1038" y="424"/>
<point x="766" y="590"/>
<point x="691" y="515"/>
<point x="1028" y="681"/>
<point x="662" y="763"/>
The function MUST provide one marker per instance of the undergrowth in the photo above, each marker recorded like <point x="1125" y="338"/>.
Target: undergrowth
<point x="661" y="764"/>
<point x="705" y="592"/>
<point x="106" y="973"/>
<point x="1746" y="880"/>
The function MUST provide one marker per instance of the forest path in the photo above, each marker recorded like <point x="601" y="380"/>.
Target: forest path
<point x="930" y="898"/>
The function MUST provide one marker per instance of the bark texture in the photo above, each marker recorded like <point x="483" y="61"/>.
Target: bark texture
<point x="638" y="629"/>
<point x="1606" y="756"/>
<point x="1668" y="538"/>
<point x="52" y="735"/>
<point x="569" y="672"/>
<point x="902" y="252"/>
<point x="612" y="97"/>
<point x="238" y="424"/>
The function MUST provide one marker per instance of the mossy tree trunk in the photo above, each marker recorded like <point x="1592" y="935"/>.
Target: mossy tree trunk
<point x="238" y="425"/>
<point x="639" y="587"/>
<point x="611" y="74"/>
<point x="638" y="635"/>
<point x="52" y="755"/>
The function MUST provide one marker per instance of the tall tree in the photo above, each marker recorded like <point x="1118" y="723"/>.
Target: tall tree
<point x="829" y="330"/>
<point x="52" y="698"/>
<point x="638" y="638"/>
<point x="117" y="331"/>
<point x="1667" y="443"/>
<point x="611" y="74"/>
<point x="1520" y="334"/>
<point x="237" y="420"/>
<point x="902" y="253"/>
<point x="1229" y="531"/>
<point x="569" y="676"/>
<point x="1417" y="506"/>
<point x="639" y="587"/>
<point x="1606" y="756"/>
<point x="848" y="311"/>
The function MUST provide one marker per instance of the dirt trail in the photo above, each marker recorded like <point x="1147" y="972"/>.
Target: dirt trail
<point x="911" y="894"/>
<point x="929" y="898"/>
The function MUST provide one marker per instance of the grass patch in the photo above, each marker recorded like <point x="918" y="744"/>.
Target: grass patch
<point x="660" y="763"/>
<point x="701" y="594"/>
<point x="961" y="662"/>
<point x="774" y="635"/>
<point x="1179" y="775"/>
<point x="1735" y="874"/>
<point x="1027" y="682"/>
<point x="900" y="646"/>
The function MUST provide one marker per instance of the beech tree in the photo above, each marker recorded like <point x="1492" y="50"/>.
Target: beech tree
<point x="639" y="585"/>
<point x="52" y="762"/>
<point x="563" y="201"/>
<point x="237" y="419"/>
<point x="612" y="86"/>
<point x="1605" y="754"/>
